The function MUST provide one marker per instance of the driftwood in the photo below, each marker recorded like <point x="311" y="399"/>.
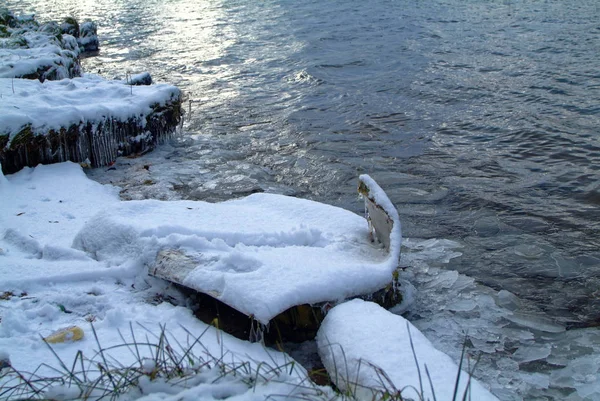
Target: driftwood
<point x="296" y="324"/>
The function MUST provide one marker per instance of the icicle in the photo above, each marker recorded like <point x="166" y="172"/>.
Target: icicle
<point x="79" y="144"/>
<point x="3" y="180"/>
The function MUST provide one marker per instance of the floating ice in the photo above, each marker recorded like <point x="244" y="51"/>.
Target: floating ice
<point x="433" y="250"/>
<point x="528" y="251"/>
<point x="508" y="300"/>
<point x="535" y="322"/>
<point x="528" y="353"/>
<point x="538" y="380"/>
<point x="509" y="334"/>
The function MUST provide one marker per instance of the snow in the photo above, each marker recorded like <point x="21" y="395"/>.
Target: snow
<point x="52" y="285"/>
<point x="55" y="104"/>
<point x="15" y="63"/>
<point x="43" y="208"/>
<point x="44" y="51"/>
<point x="386" y="225"/>
<point x="357" y="337"/>
<point x="380" y="197"/>
<point x="261" y="254"/>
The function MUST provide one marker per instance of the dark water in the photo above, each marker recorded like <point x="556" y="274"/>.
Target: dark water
<point x="479" y="118"/>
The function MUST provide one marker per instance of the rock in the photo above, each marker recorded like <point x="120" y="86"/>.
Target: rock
<point x="88" y="36"/>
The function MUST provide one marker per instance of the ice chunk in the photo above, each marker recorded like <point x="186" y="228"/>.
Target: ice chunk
<point x="538" y="380"/>
<point x="508" y="300"/>
<point x="528" y="353"/>
<point x="528" y="251"/>
<point x="432" y="250"/>
<point x="535" y="322"/>
<point x="578" y="373"/>
<point x="444" y="279"/>
<point x="589" y="391"/>
<point x="486" y="345"/>
<point x="487" y="226"/>
<point x="516" y="334"/>
<point x="462" y="305"/>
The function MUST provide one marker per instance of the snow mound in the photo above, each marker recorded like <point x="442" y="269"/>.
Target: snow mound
<point x="46" y="285"/>
<point x="357" y="338"/>
<point x="42" y="210"/>
<point x="261" y="254"/>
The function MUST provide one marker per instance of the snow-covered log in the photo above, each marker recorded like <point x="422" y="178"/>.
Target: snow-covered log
<point x="359" y="341"/>
<point x="85" y="119"/>
<point x="267" y="259"/>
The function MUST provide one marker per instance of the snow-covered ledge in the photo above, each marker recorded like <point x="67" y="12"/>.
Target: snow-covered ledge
<point x="86" y="119"/>
<point x="359" y="340"/>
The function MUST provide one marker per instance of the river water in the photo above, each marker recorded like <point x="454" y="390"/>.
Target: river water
<point x="479" y="118"/>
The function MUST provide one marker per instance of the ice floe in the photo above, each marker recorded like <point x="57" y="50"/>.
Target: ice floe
<point x="522" y="352"/>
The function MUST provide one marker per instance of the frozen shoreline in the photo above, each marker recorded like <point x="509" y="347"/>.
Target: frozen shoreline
<point x="59" y="115"/>
<point x="45" y="208"/>
<point x="86" y="119"/>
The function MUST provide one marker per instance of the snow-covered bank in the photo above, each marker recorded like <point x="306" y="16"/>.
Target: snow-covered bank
<point x="82" y="118"/>
<point x="85" y="119"/>
<point x="47" y="284"/>
<point x="48" y="51"/>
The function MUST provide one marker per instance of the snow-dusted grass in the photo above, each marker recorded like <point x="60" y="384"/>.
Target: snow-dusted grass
<point x="161" y="366"/>
<point x="46" y="52"/>
<point x="158" y="366"/>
